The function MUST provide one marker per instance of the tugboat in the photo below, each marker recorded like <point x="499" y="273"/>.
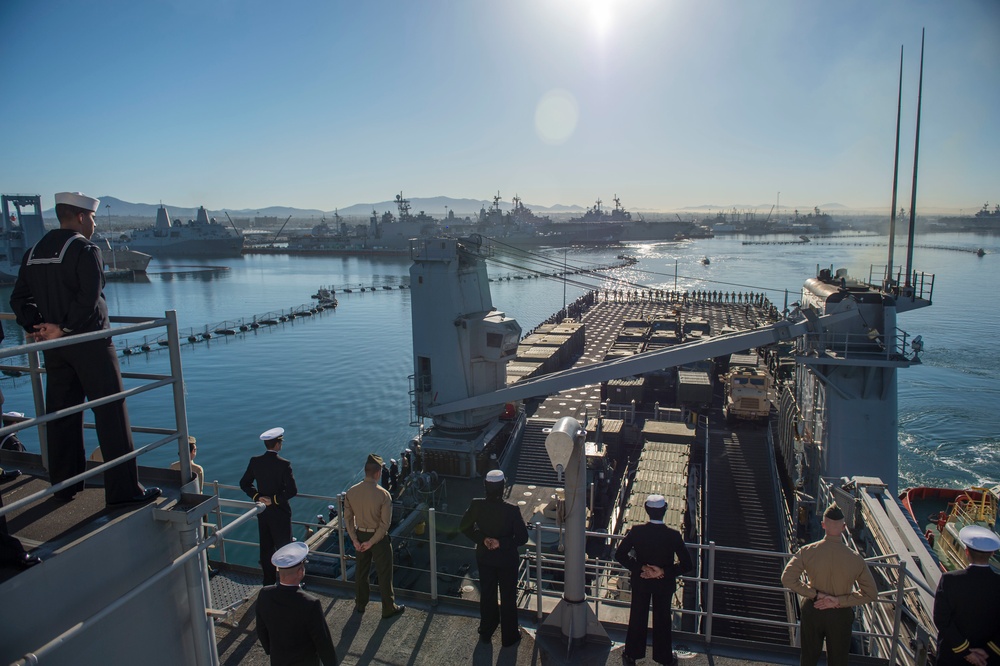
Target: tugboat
<point x="943" y="512"/>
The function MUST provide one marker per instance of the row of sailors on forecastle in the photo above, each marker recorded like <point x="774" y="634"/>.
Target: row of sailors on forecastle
<point x="830" y="578"/>
<point x="697" y="296"/>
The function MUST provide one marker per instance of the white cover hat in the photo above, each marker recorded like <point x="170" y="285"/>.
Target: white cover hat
<point x="656" y="502"/>
<point x="290" y="556"/>
<point x="495" y="476"/>
<point x="79" y="200"/>
<point x="273" y="433"/>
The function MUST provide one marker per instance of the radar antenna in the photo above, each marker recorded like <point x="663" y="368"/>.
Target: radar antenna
<point x="404" y="207"/>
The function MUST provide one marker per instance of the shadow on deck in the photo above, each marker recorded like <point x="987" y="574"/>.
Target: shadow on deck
<point x="446" y="635"/>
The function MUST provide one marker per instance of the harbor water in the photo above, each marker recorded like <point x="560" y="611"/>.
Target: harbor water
<point x="338" y="381"/>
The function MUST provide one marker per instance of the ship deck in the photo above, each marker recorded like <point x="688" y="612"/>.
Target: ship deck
<point x="446" y="634"/>
<point x="50" y="528"/>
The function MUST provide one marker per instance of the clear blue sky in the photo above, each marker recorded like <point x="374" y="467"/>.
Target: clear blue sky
<point x="323" y="104"/>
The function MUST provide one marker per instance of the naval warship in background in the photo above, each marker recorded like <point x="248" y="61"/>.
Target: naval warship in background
<point x="743" y="495"/>
<point x="23" y="226"/>
<point x="195" y="238"/>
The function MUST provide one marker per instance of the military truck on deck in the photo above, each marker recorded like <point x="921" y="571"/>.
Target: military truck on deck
<point x="747" y="389"/>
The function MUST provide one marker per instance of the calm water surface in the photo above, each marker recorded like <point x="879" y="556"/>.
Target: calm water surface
<point x="337" y="382"/>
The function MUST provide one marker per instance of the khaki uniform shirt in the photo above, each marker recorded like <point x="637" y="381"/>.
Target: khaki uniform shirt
<point x="832" y="568"/>
<point x="195" y="467"/>
<point x="368" y="508"/>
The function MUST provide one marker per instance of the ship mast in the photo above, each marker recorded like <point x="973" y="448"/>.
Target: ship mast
<point x="895" y="178"/>
<point x="404" y="207"/>
<point x="916" y="152"/>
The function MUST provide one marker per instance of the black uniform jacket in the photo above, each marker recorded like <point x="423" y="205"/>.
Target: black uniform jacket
<point x="273" y="475"/>
<point x="292" y="627"/>
<point x="492" y="517"/>
<point x="967" y="614"/>
<point x="654" y="543"/>
<point x="61" y="282"/>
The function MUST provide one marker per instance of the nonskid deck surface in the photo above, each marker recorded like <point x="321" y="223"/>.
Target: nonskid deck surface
<point x="49" y="527"/>
<point x="441" y="636"/>
<point x="604" y="322"/>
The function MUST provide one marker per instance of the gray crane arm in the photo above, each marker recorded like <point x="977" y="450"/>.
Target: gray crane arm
<point x="673" y="356"/>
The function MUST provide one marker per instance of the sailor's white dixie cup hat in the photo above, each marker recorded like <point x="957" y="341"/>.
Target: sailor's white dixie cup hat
<point x="79" y="200"/>
<point x="494" y="476"/>
<point x="273" y="433"/>
<point x="656" y="502"/>
<point x="979" y="538"/>
<point x="290" y="556"/>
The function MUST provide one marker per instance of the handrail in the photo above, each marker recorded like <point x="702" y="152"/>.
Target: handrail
<point x="886" y="614"/>
<point x="178" y="562"/>
<point x="133" y="324"/>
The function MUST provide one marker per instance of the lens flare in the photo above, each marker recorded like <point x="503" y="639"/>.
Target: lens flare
<point x="556" y="116"/>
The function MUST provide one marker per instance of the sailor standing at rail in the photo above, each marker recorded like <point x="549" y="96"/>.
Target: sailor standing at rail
<point x="965" y="605"/>
<point x="497" y="529"/>
<point x="290" y="621"/>
<point x="275" y="485"/>
<point x="655" y="555"/>
<point x="59" y="292"/>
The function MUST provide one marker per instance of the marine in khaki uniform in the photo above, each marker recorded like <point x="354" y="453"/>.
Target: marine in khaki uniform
<point x="367" y="515"/>
<point x="828" y="594"/>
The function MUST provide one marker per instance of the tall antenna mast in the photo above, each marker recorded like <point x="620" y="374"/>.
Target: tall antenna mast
<point x="895" y="178"/>
<point x="916" y="152"/>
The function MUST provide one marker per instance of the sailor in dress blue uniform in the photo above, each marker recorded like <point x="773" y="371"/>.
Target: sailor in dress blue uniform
<point x="966" y="608"/>
<point x="269" y="480"/>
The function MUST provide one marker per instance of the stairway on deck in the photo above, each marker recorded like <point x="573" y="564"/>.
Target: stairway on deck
<point x="741" y="506"/>
<point x="533" y="464"/>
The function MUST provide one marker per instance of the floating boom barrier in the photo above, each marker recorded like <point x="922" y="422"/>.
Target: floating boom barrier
<point x="230" y="327"/>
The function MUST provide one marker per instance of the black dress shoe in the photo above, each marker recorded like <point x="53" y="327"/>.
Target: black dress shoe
<point x="146" y="495"/>
<point x="28" y="560"/>
<point x="627" y="660"/>
<point x="9" y="475"/>
<point x="513" y="642"/>
<point x="396" y="610"/>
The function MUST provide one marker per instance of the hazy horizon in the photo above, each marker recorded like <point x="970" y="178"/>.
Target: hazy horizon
<point x="670" y="105"/>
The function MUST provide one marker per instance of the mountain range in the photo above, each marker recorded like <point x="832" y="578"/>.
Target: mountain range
<point x="437" y="207"/>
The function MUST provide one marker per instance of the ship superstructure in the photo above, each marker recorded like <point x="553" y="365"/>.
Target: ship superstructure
<point x="22" y="228"/>
<point x="198" y="237"/>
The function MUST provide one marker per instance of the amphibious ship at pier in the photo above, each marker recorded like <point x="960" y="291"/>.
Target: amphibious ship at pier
<point x="630" y="375"/>
<point x="744" y="496"/>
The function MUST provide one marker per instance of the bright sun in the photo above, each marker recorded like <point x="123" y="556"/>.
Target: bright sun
<point x="601" y="16"/>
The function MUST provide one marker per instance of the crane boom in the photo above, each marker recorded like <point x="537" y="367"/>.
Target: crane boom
<point x="676" y="355"/>
<point x="281" y="229"/>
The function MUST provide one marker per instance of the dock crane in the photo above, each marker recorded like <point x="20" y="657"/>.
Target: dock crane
<point x="281" y="229"/>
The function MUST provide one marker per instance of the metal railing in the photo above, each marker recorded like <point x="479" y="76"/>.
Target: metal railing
<point x="921" y="285"/>
<point x="891" y="629"/>
<point x="178" y="562"/>
<point x="152" y="382"/>
<point x="891" y="346"/>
